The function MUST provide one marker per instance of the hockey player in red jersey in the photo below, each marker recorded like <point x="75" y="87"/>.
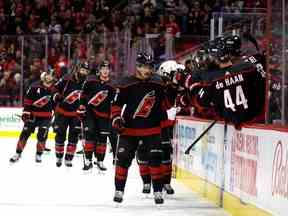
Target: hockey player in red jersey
<point x="95" y="108"/>
<point x="67" y="97"/>
<point x="140" y="123"/>
<point x="37" y="112"/>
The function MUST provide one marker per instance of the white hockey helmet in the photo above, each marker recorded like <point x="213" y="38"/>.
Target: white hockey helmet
<point x="168" y="68"/>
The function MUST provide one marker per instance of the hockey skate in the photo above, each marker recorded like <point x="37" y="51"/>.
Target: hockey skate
<point x="158" y="198"/>
<point x="118" y="197"/>
<point x="68" y="163"/>
<point x="15" y="158"/>
<point x="169" y="190"/>
<point x="59" y="162"/>
<point x="38" y="158"/>
<point x="47" y="149"/>
<point x="101" y="166"/>
<point x="146" y="188"/>
<point x="87" y="166"/>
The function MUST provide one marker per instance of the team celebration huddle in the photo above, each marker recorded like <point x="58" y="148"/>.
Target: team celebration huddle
<point x="136" y="113"/>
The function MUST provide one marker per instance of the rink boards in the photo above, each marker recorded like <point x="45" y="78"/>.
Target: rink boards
<point x="11" y="123"/>
<point x="247" y="176"/>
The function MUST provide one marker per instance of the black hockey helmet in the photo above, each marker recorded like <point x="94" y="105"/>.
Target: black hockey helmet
<point x="103" y="63"/>
<point x="84" y="65"/>
<point x="233" y="44"/>
<point x="218" y="50"/>
<point x="144" y="59"/>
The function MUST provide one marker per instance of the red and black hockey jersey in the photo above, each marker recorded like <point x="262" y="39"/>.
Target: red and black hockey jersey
<point x="144" y="105"/>
<point x="237" y="93"/>
<point x="97" y="96"/>
<point x="38" y="100"/>
<point x="69" y="89"/>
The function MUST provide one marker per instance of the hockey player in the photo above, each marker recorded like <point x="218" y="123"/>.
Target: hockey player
<point x="37" y="113"/>
<point x="95" y="108"/>
<point x="166" y="70"/>
<point x="140" y="123"/>
<point x="230" y="90"/>
<point x="67" y="97"/>
<point x="172" y="91"/>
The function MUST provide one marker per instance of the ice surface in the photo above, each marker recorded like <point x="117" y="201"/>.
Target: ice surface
<point x="27" y="188"/>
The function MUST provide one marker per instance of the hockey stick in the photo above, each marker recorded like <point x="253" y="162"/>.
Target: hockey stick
<point x="200" y="136"/>
<point x="83" y="141"/>
<point x="116" y="151"/>
<point x="118" y="136"/>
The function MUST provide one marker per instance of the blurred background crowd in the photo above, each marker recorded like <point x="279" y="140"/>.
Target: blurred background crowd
<point x="41" y="34"/>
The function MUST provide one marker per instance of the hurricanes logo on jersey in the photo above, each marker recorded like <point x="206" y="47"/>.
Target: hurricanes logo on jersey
<point x="73" y="96"/>
<point x="42" y="101"/>
<point x="145" y="106"/>
<point x="98" y="98"/>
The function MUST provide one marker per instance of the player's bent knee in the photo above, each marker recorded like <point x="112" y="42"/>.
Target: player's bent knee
<point x="124" y="159"/>
<point x="155" y="157"/>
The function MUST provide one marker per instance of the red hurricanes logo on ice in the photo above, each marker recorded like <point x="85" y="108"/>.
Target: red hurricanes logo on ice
<point x="73" y="96"/>
<point x="145" y="106"/>
<point x="42" y="101"/>
<point x="280" y="171"/>
<point x="98" y="98"/>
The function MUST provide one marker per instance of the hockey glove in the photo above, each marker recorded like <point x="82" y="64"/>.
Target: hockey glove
<point x="171" y="113"/>
<point x="26" y="116"/>
<point x="81" y="112"/>
<point x="118" y="123"/>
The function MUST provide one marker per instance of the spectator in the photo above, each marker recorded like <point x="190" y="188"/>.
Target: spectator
<point x="42" y="28"/>
<point x="97" y="26"/>
<point x="55" y="26"/>
<point x="170" y="6"/>
<point x="172" y="26"/>
<point x="8" y="89"/>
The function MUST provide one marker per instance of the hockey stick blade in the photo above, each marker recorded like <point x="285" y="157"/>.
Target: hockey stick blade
<point x="200" y="136"/>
